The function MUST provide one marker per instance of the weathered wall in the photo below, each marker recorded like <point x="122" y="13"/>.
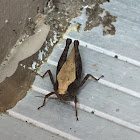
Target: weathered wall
<point x="13" y="17"/>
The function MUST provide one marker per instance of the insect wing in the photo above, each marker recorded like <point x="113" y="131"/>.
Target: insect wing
<point x="67" y="74"/>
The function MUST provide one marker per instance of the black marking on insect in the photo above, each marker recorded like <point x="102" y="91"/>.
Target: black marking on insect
<point x="68" y="75"/>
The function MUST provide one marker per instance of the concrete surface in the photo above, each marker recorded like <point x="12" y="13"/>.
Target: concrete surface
<point x="114" y="99"/>
<point x="19" y="130"/>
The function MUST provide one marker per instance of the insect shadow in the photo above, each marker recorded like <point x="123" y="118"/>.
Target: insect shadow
<point x="68" y="75"/>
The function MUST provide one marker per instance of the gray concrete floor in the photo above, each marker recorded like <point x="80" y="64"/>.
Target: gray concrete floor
<point x="115" y="99"/>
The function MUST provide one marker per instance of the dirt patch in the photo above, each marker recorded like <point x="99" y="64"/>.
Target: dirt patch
<point x="63" y="11"/>
<point x="14" y="88"/>
<point x="97" y="15"/>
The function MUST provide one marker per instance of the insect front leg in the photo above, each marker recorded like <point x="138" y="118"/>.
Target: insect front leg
<point x="46" y="96"/>
<point x="51" y="77"/>
<point x="86" y="78"/>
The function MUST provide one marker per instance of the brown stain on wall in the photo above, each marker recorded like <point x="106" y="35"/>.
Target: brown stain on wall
<point x="14" y="88"/>
<point x="95" y="19"/>
<point x="14" y="18"/>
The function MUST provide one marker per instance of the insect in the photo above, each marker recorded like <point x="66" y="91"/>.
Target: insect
<point x="68" y="75"/>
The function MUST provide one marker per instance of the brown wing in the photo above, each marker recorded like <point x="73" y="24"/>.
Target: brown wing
<point x="67" y="74"/>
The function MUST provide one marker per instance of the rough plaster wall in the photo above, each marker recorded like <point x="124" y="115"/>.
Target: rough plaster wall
<point x="13" y="17"/>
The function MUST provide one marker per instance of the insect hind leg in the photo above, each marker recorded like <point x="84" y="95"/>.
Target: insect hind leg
<point x="63" y="57"/>
<point x="78" y="61"/>
<point x="76" y="113"/>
